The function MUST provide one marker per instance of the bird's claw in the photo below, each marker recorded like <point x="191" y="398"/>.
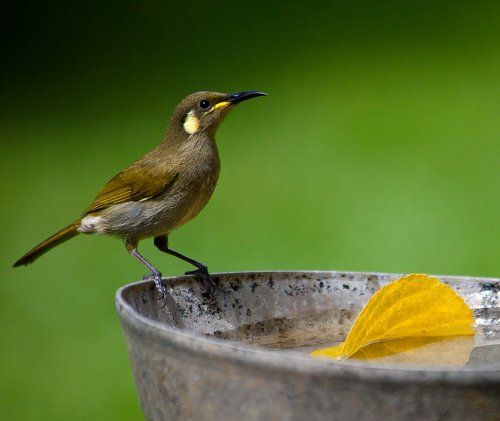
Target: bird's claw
<point x="156" y="278"/>
<point x="208" y="283"/>
<point x="202" y="271"/>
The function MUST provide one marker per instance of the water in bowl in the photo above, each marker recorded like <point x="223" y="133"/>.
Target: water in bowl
<point x="301" y="336"/>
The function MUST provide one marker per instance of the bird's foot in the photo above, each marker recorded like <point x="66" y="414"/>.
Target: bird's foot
<point x="208" y="283"/>
<point x="156" y="278"/>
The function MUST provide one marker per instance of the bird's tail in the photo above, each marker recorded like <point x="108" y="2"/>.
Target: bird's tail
<point x="60" y="237"/>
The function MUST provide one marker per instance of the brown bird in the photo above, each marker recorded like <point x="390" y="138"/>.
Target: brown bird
<point x="161" y="191"/>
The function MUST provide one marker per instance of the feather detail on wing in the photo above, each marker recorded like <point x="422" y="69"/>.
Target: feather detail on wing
<point x="136" y="183"/>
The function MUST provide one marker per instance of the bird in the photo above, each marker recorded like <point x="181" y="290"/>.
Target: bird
<point x="161" y="191"/>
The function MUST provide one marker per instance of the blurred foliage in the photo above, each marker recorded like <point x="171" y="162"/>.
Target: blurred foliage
<point x="376" y="150"/>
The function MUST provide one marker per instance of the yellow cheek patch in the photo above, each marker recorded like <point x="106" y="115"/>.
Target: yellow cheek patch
<point x="222" y="104"/>
<point x="191" y="124"/>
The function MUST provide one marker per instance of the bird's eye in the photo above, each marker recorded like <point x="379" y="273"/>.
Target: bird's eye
<point x="204" y="104"/>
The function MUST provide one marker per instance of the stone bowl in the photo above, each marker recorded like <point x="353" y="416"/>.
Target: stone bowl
<point x="244" y="352"/>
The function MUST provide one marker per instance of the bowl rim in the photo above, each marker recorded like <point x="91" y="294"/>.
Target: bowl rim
<point x="258" y="358"/>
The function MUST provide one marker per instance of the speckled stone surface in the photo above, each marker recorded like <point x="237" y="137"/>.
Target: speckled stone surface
<point x="193" y="358"/>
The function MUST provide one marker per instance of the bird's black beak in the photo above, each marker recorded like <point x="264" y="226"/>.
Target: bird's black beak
<point x="243" y="96"/>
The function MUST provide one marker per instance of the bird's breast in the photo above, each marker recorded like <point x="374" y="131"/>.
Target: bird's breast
<point x="187" y="196"/>
<point x="194" y="193"/>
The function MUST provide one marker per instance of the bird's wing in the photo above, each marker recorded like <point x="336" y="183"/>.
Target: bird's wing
<point x="135" y="183"/>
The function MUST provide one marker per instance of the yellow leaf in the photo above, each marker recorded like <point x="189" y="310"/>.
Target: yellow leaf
<point x="414" y="306"/>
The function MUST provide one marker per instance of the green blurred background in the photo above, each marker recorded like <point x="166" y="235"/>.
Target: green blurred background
<point x="376" y="150"/>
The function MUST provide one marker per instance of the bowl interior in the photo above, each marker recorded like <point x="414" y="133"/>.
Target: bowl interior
<point x="297" y="312"/>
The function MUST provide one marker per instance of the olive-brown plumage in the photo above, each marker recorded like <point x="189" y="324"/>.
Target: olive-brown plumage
<point x="164" y="189"/>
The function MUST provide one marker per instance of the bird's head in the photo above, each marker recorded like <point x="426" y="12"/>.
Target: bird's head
<point x="204" y="111"/>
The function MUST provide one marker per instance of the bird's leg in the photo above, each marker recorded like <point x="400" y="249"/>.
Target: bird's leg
<point x="155" y="273"/>
<point x="161" y="242"/>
